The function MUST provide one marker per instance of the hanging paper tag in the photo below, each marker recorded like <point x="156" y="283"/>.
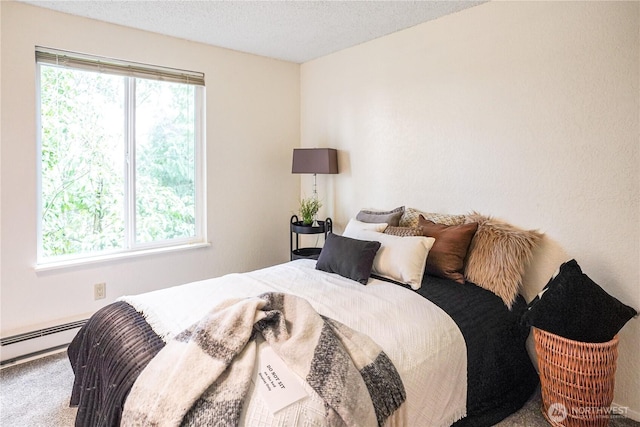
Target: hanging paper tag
<point x="278" y="386"/>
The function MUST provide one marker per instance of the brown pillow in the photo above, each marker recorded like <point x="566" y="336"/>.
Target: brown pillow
<point x="498" y="255"/>
<point x="446" y="257"/>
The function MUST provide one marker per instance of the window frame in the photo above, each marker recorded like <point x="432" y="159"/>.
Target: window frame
<point x="130" y="248"/>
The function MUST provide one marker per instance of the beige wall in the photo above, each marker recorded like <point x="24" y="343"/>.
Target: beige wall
<point x="528" y="111"/>
<point x="252" y="126"/>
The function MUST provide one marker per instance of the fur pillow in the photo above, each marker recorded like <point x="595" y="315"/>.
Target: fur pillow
<point x="498" y="255"/>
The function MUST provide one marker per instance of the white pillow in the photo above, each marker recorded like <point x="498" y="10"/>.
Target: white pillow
<point x="402" y="259"/>
<point x="354" y="226"/>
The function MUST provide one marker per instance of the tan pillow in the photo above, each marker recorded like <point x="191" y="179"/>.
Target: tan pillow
<point x="403" y="231"/>
<point x="447" y="256"/>
<point x="498" y="255"/>
<point x="546" y="260"/>
<point x="410" y="218"/>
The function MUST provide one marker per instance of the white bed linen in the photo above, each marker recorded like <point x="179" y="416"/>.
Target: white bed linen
<point x="422" y="341"/>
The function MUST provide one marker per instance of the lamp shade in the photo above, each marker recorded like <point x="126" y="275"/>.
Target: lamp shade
<point x="315" y="160"/>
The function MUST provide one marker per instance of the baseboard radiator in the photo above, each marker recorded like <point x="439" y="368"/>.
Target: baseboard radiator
<point x="30" y="344"/>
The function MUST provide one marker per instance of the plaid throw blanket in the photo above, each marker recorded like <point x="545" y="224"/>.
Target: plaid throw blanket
<point x="202" y="376"/>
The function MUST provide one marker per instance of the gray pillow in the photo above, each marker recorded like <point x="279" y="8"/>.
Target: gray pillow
<point x="350" y="258"/>
<point x="391" y="217"/>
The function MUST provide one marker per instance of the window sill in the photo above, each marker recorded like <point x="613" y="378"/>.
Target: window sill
<point x="58" y="265"/>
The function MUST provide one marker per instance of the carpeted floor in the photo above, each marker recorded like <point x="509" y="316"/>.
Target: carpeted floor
<point x="36" y="394"/>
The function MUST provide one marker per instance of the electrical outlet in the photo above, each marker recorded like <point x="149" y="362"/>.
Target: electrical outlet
<point x="100" y="291"/>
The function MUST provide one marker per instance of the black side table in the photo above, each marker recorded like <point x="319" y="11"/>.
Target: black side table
<point x="324" y="227"/>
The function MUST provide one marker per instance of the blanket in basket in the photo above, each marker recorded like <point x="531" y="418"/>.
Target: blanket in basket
<point x="202" y="376"/>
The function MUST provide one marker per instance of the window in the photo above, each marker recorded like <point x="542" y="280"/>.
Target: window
<point x="121" y="152"/>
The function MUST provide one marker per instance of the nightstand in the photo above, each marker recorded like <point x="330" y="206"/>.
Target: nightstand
<point x="296" y="228"/>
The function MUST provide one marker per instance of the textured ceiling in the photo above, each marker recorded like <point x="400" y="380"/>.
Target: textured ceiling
<point x="296" y="31"/>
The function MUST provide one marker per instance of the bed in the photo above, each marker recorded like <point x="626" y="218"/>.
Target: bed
<point x="457" y="347"/>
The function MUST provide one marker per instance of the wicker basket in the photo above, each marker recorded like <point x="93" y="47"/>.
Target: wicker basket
<point x="576" y="378"/>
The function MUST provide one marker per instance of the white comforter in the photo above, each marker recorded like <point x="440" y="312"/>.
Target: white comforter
<point x="421" y="340"/>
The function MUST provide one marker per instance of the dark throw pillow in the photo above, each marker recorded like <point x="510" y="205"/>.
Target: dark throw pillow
<point x="350" y="258"/>
<point x="575" y="307"/>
